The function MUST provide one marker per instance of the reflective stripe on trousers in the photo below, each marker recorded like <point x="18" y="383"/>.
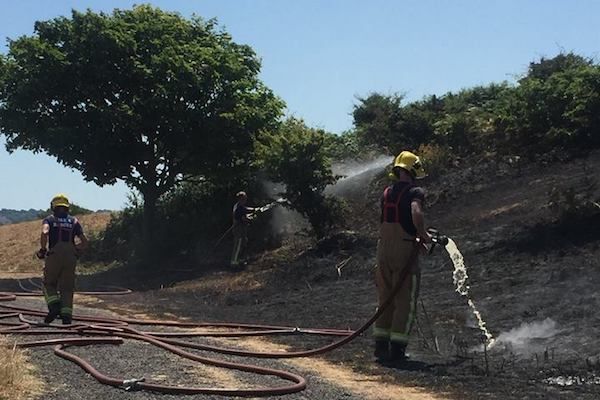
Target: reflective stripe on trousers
<point x="59" y="275"/>
<point x="240" y="239"/>
<point x="393" y="254"/>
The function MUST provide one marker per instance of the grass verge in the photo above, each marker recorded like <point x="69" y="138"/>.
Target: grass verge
<point x="16" y="374"/>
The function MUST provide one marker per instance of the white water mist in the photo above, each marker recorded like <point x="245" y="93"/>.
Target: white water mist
<point x="356" y="175"/>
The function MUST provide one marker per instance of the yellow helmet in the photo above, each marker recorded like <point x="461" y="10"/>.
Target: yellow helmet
<point x="59" y="200"/>
<point x="411" y="163"/>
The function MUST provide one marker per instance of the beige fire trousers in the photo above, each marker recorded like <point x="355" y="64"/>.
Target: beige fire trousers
<point x="394" y="250"/>
<point x="59" y="276"/>
<point x="240" y="240"/>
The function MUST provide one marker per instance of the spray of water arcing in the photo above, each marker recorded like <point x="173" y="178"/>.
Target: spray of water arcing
<point x="356" y="175"/>
<point x="350" y="169"/>
<point x="272" y="204"/>
<point x="460" y="277"/>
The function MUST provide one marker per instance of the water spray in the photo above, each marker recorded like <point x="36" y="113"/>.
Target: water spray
<point x="254" y="213"/>
<point x="460" y="277"/>
<point x="269" y="206"/>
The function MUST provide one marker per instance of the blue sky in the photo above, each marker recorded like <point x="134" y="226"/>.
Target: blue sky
<point x="319" y="55"/>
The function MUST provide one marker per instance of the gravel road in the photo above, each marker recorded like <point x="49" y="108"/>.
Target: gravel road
<point x="133" y="359"/>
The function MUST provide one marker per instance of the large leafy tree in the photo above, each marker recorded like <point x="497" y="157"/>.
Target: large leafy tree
<point x="140" y="95"/>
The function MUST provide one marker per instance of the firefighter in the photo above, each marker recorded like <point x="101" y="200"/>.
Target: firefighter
<point x="402" y="232"/>
<point x="58" y="248"/>
<point x="242" y="216"/>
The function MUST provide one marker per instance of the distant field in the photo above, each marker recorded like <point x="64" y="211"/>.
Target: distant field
<point x="19" y="242"/>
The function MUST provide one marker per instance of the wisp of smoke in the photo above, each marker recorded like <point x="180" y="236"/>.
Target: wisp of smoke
<point x="356" y="177"/>
<point x="523" y="334"/>
<point x="284" y="221"/>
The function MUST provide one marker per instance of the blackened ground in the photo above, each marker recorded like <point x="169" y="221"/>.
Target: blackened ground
<point x="525" y="266"/>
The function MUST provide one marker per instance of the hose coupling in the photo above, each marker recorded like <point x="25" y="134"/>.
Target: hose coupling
<point x="132" y="384"/>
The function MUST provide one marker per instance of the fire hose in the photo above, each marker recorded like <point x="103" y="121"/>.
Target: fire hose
<point x="104" y="330"/>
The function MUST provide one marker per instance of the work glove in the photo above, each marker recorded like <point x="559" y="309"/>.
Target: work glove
<point x="41" y="253"/>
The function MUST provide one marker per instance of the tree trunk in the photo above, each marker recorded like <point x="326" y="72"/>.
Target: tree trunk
<point x="149" y="223"/>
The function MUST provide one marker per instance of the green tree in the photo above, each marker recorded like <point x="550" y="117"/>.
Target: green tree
<point x="383" y="121"/>
<point x="466" y="120"/>
<point x="140" y="95"/>
<point x="343" y="146"/>
<point x="557" y="106"/>
<point x="296" y="156"/>
<point x="546" y="67"/>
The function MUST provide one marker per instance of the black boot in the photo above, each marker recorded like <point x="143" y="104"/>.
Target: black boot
<point x="398" y="352"/>
<point x="382" y="350"/>
<point x="53" y="312"/>
<point x="67" y="319"/>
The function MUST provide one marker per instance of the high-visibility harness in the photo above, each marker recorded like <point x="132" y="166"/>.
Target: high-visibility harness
<point x="389" y="204"/>
<point x="63" y="228"/>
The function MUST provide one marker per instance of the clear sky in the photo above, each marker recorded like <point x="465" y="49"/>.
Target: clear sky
<point x="318" y="55"/>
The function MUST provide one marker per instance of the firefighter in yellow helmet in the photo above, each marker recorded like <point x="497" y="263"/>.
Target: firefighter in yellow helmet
<point x="58" y="248"/>
<point x="402" y="228"/>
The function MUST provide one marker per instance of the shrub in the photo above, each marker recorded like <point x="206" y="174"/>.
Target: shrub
<point x="436" y="159"/>
<point x="572" y="203"/>
<point x="296" y="157"/>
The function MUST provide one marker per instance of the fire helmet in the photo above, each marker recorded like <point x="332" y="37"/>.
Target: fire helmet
<point x="411" y="163"/>
<point x="60" y="200"/>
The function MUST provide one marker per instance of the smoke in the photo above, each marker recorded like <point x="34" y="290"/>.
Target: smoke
<point x="356" y="175"/>
<point x="283" y="221"/>
<point x="522" y="336"/>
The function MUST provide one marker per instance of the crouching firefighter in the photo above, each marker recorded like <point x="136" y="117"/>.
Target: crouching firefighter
<point x="401" y="234"/>
<point x="59" y="231"/>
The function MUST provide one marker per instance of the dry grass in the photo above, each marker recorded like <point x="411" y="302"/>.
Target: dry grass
<point x="16" y="374"/>
<point x="20" y="241"/>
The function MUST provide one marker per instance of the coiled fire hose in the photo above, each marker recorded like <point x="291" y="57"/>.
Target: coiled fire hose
<point x="100" y="330"/>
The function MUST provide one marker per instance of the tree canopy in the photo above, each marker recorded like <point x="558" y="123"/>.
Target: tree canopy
<point x="140" y="95"/>
<point x="553" y="107"/>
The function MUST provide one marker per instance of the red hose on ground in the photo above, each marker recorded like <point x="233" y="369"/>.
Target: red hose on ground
<point x="114" y="330"/>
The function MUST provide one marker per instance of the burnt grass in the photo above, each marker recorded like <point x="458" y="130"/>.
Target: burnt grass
<point x="525" y="265"/>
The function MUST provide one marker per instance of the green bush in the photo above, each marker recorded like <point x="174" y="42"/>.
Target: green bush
<point x="574" y="203"/>
<point x="296" y="156"/>
<point x="436" y="159"/>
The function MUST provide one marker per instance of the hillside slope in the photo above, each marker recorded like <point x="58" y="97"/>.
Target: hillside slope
<point x="19" y="242"/>
<point x="8" y="216"/>
<point x="534" y="280"/>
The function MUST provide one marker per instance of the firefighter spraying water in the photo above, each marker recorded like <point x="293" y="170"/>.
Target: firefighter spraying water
<point x="242" y="216"/>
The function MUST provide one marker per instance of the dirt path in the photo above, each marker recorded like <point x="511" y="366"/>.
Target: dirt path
<point x="367" y="386"/>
